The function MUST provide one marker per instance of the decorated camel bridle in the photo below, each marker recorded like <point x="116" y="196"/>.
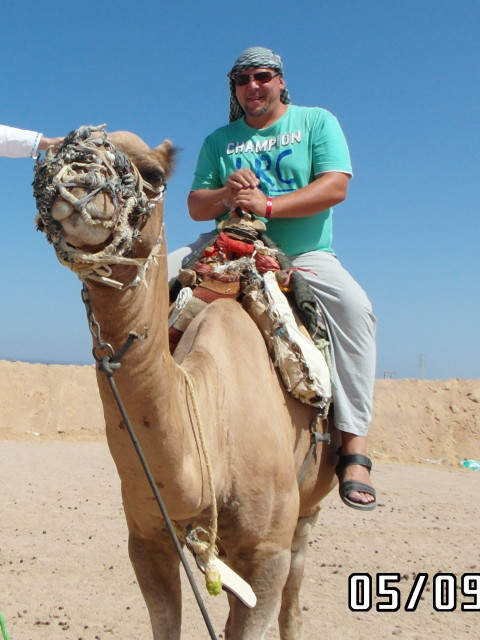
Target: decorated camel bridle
<point x="87" y="159"/>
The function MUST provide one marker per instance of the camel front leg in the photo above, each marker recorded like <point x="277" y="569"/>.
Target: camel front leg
<point x="266" y="573"/>
<point x="289" y="619"/>
<point x="156" y="565"/>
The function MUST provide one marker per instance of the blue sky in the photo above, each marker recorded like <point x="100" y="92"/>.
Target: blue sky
<point x="402" y="78"/>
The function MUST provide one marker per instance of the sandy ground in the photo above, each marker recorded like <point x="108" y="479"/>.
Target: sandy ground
<point x="64" y="569"/>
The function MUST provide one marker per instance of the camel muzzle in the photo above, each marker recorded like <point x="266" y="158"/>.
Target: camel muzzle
<point x="92" y="203"/>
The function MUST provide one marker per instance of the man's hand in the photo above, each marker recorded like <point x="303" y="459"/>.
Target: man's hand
<point x="242" y="179"/>
<point x="243" y="192"/>
<point x="250" y="199"/>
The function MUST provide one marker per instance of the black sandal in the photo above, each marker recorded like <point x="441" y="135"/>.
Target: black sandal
<point x="344" y="488"/>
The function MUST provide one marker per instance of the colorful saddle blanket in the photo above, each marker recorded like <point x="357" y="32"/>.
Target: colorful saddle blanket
<point x="241" y="263"/>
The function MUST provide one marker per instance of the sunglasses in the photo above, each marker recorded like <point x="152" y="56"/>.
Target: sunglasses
<point x="261" y="77"/>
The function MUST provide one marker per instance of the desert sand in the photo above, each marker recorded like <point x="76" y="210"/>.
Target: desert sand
<point x="64" y="568"/>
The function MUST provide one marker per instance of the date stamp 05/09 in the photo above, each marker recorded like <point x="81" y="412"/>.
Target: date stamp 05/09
<point x="444" y="590"/>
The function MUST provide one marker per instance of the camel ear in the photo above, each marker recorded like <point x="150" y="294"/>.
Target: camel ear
<point x="165" y="154"/>
<point x="156" y="165"/>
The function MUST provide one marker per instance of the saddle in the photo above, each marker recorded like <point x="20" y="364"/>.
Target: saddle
<point x="242" y="263"/>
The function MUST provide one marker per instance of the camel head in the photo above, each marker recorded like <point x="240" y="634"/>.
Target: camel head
<point x="95" y="194"/>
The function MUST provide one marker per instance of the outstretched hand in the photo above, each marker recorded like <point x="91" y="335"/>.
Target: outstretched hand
<point x="48" y="142"/>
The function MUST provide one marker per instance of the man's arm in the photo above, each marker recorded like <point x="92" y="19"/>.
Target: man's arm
<point x="327" y="190"/>
<point x="21" y="143"/>
<point x="207" y="204"/>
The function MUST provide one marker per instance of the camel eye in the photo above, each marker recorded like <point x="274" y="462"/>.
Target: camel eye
<point x="153" y="176"/>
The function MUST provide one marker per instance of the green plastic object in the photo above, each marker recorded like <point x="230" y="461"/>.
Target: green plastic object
<point x="3" y="628"/>
<point x="471" y="464"/>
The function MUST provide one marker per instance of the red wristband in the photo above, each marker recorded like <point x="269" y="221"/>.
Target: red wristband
<point x="268" y="208"/>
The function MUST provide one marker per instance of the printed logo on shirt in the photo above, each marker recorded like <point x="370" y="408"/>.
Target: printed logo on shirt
<point x="267" y="167"/>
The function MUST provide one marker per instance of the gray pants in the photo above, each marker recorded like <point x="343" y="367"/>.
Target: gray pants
<point x="351" y="328"/>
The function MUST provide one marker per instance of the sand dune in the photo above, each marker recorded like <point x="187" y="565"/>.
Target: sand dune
<point x="414" y="420"/>
<point x="64" y="568"/>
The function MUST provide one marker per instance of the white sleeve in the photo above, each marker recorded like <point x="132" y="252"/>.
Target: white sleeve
<point x="18" y="143"/>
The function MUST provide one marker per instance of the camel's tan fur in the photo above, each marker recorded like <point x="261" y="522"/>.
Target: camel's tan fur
<point x="257" y="438"/>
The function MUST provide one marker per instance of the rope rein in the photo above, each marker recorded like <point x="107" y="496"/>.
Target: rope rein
<point x="206" y="551"/>
<point x="109" y="364"/>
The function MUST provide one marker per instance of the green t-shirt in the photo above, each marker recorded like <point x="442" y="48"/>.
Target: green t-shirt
<point x="303" y="143"/>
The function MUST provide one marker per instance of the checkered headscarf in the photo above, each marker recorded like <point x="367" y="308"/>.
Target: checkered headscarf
<point x="254" y="57"/>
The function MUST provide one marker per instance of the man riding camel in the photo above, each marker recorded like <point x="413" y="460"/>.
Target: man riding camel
<point x="290" y="165"/>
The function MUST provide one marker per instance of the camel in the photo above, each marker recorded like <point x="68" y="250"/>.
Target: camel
<point x="256" y="434"/>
